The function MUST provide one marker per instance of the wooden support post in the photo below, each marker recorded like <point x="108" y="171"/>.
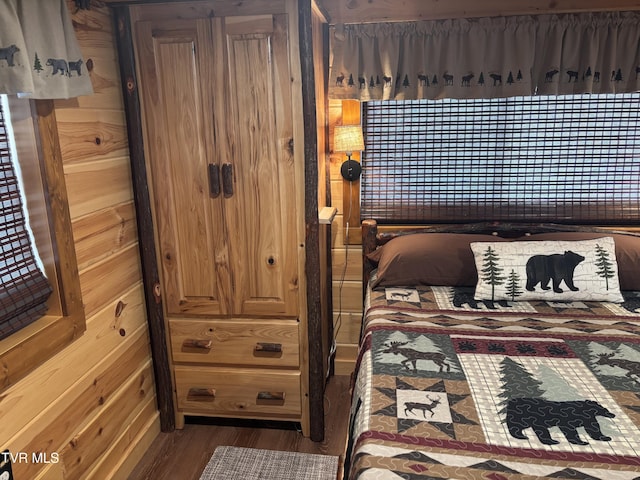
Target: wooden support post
<point x="155" y="316"/>
<point x="312" y="241"/>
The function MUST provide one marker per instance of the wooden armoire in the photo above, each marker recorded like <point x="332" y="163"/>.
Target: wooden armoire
<point x="221" y="100"/>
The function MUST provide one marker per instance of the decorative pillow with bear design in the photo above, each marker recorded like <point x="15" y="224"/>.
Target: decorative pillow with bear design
<point x="547" y="270"/>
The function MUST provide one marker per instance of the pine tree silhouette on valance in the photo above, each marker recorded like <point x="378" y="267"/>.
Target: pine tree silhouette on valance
<point x="487" y="57"/>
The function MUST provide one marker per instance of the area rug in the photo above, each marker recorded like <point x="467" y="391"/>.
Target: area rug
<point x="231" y="463"/>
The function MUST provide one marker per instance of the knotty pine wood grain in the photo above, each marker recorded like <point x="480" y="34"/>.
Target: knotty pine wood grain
<point x="102" y="233"/>
<point x="350" y="301"/>
<point x="125" y="452"/>
<point x="233" y="342"/>
<point x="108" y="279"/>
<point x="174" y="456"/>
<point x="60" y="381"/>
<point x="348" y="327"/>
<point x="108" y="460"/>
<point x="91" y="133"/>
<point x="351" y="259"/>
<point x="96" y="185"/>
<point x="91" y="396"/>
<point x="236" y="391"/>
<point x="93" y="440"/>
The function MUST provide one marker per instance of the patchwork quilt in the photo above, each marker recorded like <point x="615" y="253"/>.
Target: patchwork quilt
<point x="450" y="387"/>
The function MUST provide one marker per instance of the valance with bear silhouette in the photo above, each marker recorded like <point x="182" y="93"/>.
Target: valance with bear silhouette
<point x="39" y="53"/>
<point x="487" y="57"/>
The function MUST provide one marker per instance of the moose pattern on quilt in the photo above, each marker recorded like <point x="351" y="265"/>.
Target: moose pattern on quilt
<point x="494" y="394"/>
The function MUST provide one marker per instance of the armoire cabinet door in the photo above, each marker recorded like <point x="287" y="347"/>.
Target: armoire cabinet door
<point x="177" y="73"/>
<point x="262" y="212"/>
<point x="217" y="103"/>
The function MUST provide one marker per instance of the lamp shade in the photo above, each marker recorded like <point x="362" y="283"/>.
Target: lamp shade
<point x="347" y="138"/>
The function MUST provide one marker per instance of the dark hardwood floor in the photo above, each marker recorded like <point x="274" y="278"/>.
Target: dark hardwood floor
<point x="184" y="453"/>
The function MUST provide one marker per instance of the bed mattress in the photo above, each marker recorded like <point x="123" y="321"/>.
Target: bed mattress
<point x="451" y="387"/>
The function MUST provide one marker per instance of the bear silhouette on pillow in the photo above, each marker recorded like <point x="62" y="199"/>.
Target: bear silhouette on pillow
<point x="557" y="268"/>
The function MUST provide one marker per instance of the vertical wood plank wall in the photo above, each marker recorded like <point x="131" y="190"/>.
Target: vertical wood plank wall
<point x="93" y="404"/>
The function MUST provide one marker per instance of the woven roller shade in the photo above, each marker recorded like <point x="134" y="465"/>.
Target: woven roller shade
<point x="24" y="289"/>
<point x="569" y="159"/>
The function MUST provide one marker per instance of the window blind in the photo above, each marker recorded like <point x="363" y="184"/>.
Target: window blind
<point x="24" y="289"/>
<point x="572" y="159"/>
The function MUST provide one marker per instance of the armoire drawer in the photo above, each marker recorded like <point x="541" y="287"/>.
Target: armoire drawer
<point x="256" y="342"/>
<point x="238" y="392"/>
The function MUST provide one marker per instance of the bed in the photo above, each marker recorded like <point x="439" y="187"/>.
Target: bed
<point x="498" y="351"/>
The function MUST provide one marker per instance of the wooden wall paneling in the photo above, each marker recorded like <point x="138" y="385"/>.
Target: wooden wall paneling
<point x="110" y="278"/>
<point x="89" y="397"/>
<point x="351" y="300"/>
<point x="348" y="263"/>
<point x="157" y="332"/>
<point x="348" y="327"/>
<point x="347" y="304"/>
<point x="365" y="11"/>
<point x="89" y="133"/>
<point x="88" y="445"/>
<point x="102" y="233"/>
<point x="104" y="339"/>
<point x="135" y="441"/>
<point x="123" y="452"/>
<point x="96" y="185"/>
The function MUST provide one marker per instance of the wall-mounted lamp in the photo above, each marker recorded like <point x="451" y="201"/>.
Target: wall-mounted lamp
<point x="348" y="138"/>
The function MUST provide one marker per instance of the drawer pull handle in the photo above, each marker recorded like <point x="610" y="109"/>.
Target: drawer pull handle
<point x="268" y="347"/>
<point x="195" y="343"/>
<point x="197" y="394"/>
<point x="270" y="398"/>
<point x="271" y="350"/>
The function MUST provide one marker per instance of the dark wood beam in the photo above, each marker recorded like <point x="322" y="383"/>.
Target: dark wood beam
<point x="312" y="241"/>
<point x="155" y="316"/>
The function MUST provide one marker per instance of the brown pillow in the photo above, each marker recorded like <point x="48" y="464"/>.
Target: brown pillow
<point x="428" y="259"/>
<point x="627" y="253"/>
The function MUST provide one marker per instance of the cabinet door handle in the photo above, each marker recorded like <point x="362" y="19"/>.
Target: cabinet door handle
<point x="214" y="180"/>
<point x="270" y="398"/>
<point x="198" y="394"/>
<point x="227" y="180"/>
<point x="197" y="343"/>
